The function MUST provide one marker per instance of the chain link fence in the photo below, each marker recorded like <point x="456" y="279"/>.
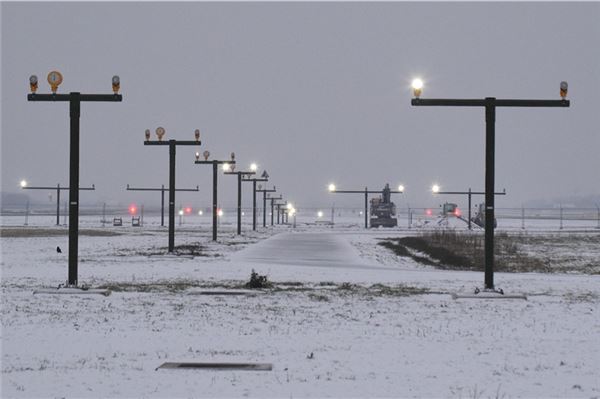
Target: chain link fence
<point x="525" y="218"/>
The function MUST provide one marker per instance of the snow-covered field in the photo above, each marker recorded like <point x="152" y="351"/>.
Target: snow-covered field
<point x="344" y="319"/>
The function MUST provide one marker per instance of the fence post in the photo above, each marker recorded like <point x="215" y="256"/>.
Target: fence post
<point x="561" y="218"/>
<point x="27" y="213"/>
<point x="332" y="213"/>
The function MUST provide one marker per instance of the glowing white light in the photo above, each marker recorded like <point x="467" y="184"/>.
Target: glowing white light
<point x="23" y="183"/>
<point x="401" y="188"/>
<point x="220" y="212"/>
<point x="331" y="187"/>
<point x="320" y="214"/>
<point x="253" y="167"/>
<point x="435" y="189"/>
<point x="417" y="86"/>
<point x="200" y="213"/>
<point x="181" y="212"/>
<point x="226" y="167"/>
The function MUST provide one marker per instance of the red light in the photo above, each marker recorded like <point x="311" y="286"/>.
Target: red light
<point x="457" y="212"/>
<point x="428" y="212"/>
<point x="132" y="209"/>
<point x="188" y="210"/>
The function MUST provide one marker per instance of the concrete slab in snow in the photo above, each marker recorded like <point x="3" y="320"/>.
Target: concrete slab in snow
<point x="218" y="366"/>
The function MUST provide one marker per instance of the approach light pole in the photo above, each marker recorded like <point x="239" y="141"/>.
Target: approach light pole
<point x="436" y="190"/>
<point x="284" y="216"/>
<point x="332" y="189"/>
<point x="240" y="175"/>
<point x="160" y="132"/>
<point x="162" y="197"/>
<point x="290" y="209"/>
<point x="215" y="165"/>
<point x="58" y="188"/>
<point x="490" y="104"/>
<point x="74" y="99"/>
<point x="273" y="199"/>
<point x="279" y="213"/>
<point x="264" y="177"/>
<point x="265" y="191"/>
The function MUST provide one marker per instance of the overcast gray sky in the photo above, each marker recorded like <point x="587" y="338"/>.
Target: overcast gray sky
<point x="313" y="92"/>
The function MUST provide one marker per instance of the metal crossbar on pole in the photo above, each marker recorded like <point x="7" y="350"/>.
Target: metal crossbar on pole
<point x="58" y="188"/>
<point x="366" y="193"/>
<point x="215" y="166"/>
<point x="490" y="104"/>
<point x="254" y="190"/>
<point x="279" y="213"/>
<point x="265" y="191"/>
<point x="74" y="99"/>
<point x="172" y="154"/>
<point x="469" y="194"/>
<point x="162" y="197"/>
<point x="273" y="199"/>
<point x="239" y="174"/>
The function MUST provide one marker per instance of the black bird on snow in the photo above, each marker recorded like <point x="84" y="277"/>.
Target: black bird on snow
<point x="58" y="250"/>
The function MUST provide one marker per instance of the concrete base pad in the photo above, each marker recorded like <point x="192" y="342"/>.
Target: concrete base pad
<point x="72" y="291"/>
<point x="488" y="294"/>
<point x="226" y="292"/>
<point x="171" y="256"/>
<point x="218" y="366"/>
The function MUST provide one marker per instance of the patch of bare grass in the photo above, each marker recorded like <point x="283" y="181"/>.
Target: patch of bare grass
<point x="380" y="290"/>
<point x="398" y="290"/>
<point x="318" y="297"/>
<point x="179" y="250"/>
<point x="165" y="286"/>
<point x="513" y="252"/>
<point x="451" y="250"/>
<point x="317" y="293"/>
<point x="582" y="297"/>
<point x="27" y="232"/>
